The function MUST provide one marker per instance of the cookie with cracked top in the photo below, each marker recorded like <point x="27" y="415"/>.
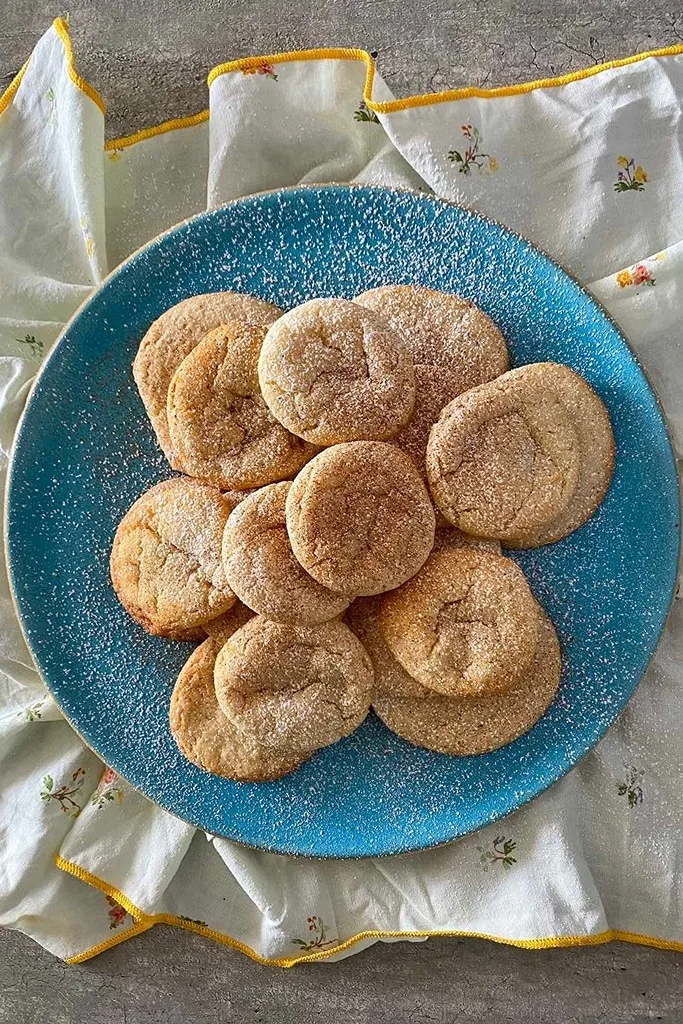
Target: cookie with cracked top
<point x="166" y="563"/>
<point x="465" y="625"/>
<point x="221" y="430"/>
<point x="454" y="344"/>
<point x="294" y="689"/>
<point x="597" y="448"/>
<point x="503" y="459"/>
<point x="331" y="371"/>
<point x="359" y="518"/>
<point x="391" y="679"/>
<point x="173" y="336"/>
<point x="475" y="725"/>
<point x="261" y="568"/>
<point x="209" y="739"/>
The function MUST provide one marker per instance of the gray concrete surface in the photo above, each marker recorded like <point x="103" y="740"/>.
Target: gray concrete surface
<point x="171" y="977"/>
<point x="149" y="60"/>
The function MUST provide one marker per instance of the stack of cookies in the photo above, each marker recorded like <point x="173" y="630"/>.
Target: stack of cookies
<point x="349" y="472"/>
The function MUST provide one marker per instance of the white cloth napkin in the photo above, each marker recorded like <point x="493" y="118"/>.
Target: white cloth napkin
<point x="591" y="170"/>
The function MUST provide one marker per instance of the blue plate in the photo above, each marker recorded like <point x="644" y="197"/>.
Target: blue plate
<point x="85" y="451"/>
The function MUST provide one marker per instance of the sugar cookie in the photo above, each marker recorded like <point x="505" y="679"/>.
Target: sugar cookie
<point x="207" y="738"/>
<point x="442" y="330"/>
<point x="466" y="625"/>
<point x="221" y="430"/>
<point x="475" y="725"/>
<point x="261" y="568"/>
<point x="359" y="518"/>
<point x="597" y="448"/>
<point x="165" y="561"/>
<point x="391" y="679"/>
<point x="175" y="334"/>
<point x="503" y="459"/>
<point x="331" y="371"/>
<point x="294" y="688"/>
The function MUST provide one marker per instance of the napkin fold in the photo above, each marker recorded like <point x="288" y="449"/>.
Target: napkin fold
<point x="589" y="168"/>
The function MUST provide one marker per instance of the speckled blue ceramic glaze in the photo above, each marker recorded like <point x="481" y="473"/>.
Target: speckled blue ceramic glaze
<point x="85" y="452"/>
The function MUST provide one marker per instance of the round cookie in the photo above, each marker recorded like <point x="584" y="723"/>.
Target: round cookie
<point x="331" y="371"/>
<point x="209" y="739"/>
<point x="466" y="625"/>
<point x="165" y="561"/>
<point x="294" y="688"/>
<point x="261" y="568"/>
<point x="221" y="430"/>
<point x="597" y="448"/>
<point x="359" y="518"/>
<point x="391" y="679"/>
<point x="474" y="725"/>
<point x="503" y="459"/>
<point x="175" y="334"/>
<point x="442" y="330"/>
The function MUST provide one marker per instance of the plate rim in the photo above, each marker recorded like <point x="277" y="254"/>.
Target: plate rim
<point x="474" y="213"/>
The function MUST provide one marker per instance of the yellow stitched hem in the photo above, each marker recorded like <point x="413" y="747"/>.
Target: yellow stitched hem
<point x="425" y="99"/>
<point x="343" y="53"/>
<point x="136" y="929"/>
<point x="8" y="94"/>
<point x="326" y="53"/>
<point x="145" y="921"/>
<point x="157" y="129"/>
<point x="62" y="30"/>
<point x="109" y="890"/>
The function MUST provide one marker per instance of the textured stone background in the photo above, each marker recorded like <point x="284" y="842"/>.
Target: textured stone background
<point x="149" y="60"/>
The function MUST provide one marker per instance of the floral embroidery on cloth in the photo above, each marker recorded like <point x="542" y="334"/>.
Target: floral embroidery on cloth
<point x="117" y="914"/>
<point x="638" y="274"/>
<point x="630" y="178"/>
<point x="317" y="940"/>
<point x="66" y="794"/>
<point x="499" y="853"/>
<point x="630" y="787"/>
<point x="107" y="790"/>
<point x="472" y="155"/>
<point x="261" y="69"/>
<point x="32" y="343"/>
<point x="34" y="713"/>
<point x="364" y="114"/>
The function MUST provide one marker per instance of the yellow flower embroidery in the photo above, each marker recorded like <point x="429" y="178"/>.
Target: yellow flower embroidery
<point x="89" y="244"/>
<point x="630" y="178"/>
<point x="624" y="279"/>
<point x="493" y="164"/>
